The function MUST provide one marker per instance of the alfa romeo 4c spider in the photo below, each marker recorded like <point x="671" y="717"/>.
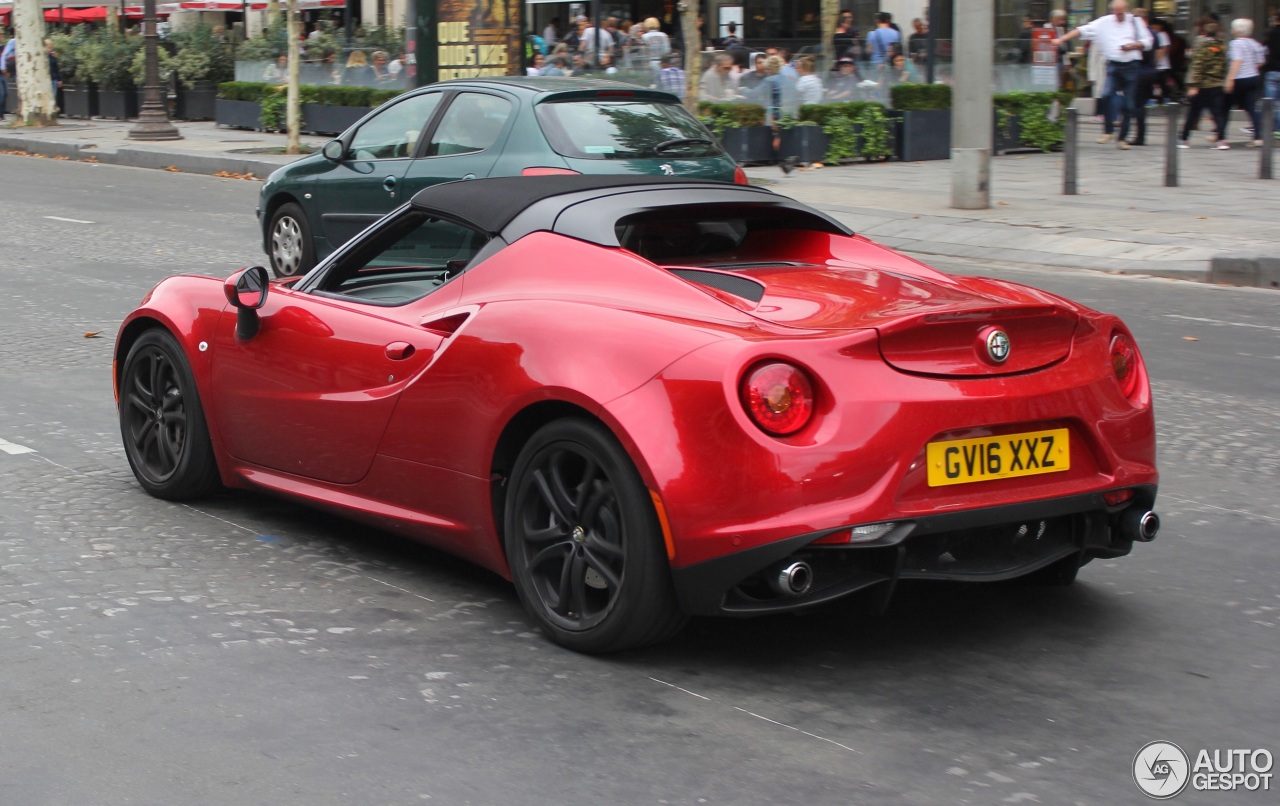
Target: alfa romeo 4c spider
<point x="644" y="400"/>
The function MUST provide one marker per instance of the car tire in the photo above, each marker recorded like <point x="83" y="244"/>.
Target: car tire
<point x="584" y="543"/>
<point x="289" y="243"/>
<point x="166" y="438"/>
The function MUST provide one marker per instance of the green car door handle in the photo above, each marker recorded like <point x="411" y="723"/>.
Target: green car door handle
<point x="389" y="183"/>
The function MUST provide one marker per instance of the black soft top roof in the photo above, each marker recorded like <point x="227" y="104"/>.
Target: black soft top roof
<point x="514" y="206"/>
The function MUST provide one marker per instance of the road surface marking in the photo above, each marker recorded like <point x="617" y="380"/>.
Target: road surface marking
<point x="797" y="730"/>
<point x="1220" y="322"/>
<point x="677" y="688"/>
<point x="13" y="449"/>
<point x="68" y="220"/>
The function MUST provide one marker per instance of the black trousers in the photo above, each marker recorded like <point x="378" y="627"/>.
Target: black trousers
<point x="1210" y="98"/>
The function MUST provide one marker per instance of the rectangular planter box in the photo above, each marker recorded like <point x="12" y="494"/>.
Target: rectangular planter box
<point x="12" y="103"/>
<point x="334" y="120"/>
<point x="750" y="144"/>
<point x="923" y="134"/>
<point x="808" y="144"/>
<point x="118" y="104"/>
<point x="80" y="101"/>
<point x="237" y="114"/>
<point x="198" y="102"/>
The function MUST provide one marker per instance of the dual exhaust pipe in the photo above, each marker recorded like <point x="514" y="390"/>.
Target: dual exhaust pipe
<point x="1140" y="525"/>
<point x="792" y="579"/>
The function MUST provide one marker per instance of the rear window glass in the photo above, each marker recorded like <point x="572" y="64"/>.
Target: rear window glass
<point x="624" y="129"/>
<point x="710" y="236"/>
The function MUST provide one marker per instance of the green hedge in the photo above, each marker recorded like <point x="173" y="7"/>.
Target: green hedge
<point x="821" y="113"/>
<point x="327" y="95"/>
<point x="1032" y="110"/>
<point x="921" y="96"/>
<point x="719" y="117"/>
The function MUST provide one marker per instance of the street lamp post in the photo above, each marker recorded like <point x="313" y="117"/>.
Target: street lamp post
<point x="153" y="122"/>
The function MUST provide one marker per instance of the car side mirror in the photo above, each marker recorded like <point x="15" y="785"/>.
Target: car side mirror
<point x="246" y="290"/>
<point x="334" y="151"/>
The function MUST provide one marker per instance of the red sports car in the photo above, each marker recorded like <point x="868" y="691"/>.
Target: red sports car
<point x="641" y="400"/>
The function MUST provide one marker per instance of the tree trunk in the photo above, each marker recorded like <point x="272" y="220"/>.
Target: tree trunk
<point x="292" y="108"/>
<point x="692" y="53"/>
<point x="830" y="11"/>
<point x="31" y="61"/>
<point x="273" y="14"/>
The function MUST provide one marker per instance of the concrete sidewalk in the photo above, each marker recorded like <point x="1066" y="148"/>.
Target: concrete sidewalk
<point x="1219" y="226"/>
<point x="1124" y="220"/>
<point x="206" y="148"/>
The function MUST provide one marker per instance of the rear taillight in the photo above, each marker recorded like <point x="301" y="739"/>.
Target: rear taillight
<point x="1124" y="363"/>
<point x="739" y="176"/>
<point x="546" y="171"/>
<point x="778" y="397"/>
<point x="1115" y="498"/>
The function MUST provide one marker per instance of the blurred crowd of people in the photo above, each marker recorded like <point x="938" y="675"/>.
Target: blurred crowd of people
<point x="771" y="77"/>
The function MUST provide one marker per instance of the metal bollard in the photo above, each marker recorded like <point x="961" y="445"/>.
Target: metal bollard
<point x="1070" y="152"/>
<point x="1266" y="130"/>
<point x="1171" y="146"/>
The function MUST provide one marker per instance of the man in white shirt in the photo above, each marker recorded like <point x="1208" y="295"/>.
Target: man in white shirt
<point x="1122" y="37"/>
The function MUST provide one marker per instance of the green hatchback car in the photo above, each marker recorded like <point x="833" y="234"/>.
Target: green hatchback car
<point x="473" y="128"/>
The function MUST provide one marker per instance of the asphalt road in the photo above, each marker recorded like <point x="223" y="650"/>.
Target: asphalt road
<point x="243" y="650"/>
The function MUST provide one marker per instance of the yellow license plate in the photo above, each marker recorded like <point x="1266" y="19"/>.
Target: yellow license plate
<point x="961" y="461"/>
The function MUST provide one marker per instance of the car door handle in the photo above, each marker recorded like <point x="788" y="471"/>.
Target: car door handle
<point x="400" y="350"/>
<point x="389" y="183"/>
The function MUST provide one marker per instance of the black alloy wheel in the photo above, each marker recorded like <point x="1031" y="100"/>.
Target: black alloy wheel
<point x="162" y="422"/>
<point x="584" y="543"/>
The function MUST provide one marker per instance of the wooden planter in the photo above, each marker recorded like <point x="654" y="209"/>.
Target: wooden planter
<point x="237" y="114"/>
<point x="80" y="101"/>
<point x="807" y="144"/>
<point x="197" y="102"/>
<point x="118" y="104"/>
<point x="923" y="134"/>
<point x="750" y="144"/>
<point x="332" y="120"/>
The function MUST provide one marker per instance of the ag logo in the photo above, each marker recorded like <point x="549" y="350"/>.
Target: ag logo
<point x="1161" y="770"/>
<point x="667" y="170"/>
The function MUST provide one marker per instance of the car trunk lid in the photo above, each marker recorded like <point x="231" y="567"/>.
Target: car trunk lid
<point x="930" y="327"/>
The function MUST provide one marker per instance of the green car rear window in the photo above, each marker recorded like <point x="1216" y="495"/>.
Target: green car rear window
<point x="624" y="129"/>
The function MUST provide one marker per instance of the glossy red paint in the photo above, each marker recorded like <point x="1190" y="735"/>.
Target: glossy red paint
<point x="396" y="415"/>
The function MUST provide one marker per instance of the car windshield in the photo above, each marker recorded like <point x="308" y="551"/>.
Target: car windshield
<point x="624" y="129"/>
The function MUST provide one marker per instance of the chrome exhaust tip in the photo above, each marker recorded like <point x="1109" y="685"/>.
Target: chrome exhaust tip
<point x="792" y="579"/>
<point x="1140" y="525"/>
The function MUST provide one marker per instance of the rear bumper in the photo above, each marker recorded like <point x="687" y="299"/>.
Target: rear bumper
<point x="987" y="544"/>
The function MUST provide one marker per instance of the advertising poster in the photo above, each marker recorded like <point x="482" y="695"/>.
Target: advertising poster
<point x="477" y="38"/>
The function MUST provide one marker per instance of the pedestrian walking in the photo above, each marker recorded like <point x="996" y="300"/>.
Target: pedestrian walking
<point x="671" y="76"/>
<point x="1271" y="70"/>
<point x="1204" y="86"/>
<point x="1122" y="37"/>
<point x="808" y="85"/>
<point x="6" y="54"/>
<point x="718" y="84"/>
<point x="881" y="38"/>
<point x="656" y="44"/>
<point x="1243" y="86"/>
